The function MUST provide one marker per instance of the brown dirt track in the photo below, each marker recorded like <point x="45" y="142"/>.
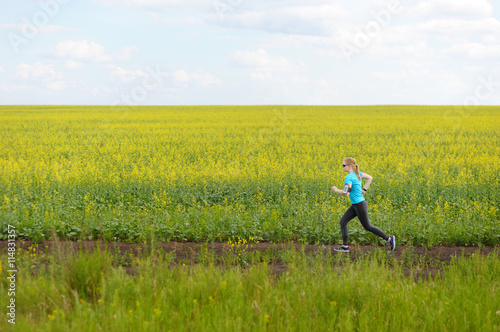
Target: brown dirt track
<point x="433" y="257"/>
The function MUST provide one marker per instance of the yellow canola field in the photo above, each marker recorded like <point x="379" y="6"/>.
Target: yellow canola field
<point x="418" y="155"/>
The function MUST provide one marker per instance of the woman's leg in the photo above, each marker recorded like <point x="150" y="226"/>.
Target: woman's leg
<point x="362" y="213"/>
<point x="348" y="215"/>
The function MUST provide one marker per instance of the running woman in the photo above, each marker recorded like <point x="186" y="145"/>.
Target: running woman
<point x="359" y="207"/>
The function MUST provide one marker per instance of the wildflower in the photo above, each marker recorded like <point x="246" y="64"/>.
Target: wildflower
<point x="157" y="311"/>
<point x="51" y="317"/>
<point x="266" y="318"/>
<point x="195" y="301"/>
<point x="333" y="303"/>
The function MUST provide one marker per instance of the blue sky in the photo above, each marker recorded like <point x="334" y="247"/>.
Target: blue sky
<point x="242" y="52"/>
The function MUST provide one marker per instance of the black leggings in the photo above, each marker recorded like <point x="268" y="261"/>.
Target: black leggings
<point x="359" y="210"/>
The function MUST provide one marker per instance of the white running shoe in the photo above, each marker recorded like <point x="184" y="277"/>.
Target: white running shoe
<point x="392" y="242"/>
<point x="342" y="248"/>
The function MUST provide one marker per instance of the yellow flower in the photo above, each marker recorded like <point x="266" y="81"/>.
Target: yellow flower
<point x="333" y="303"/>
<point x="266" y="318"/>
<point x="51" y="317"/>
<point x="157" y="311"/>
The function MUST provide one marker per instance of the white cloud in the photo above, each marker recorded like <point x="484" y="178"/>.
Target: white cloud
<point x="49" y="28"/>
<point x="416" y="39"/>
<point x="330" y="11"/>
<point x="299" y="79"/>
<point x="125" y="53"/>
<point x="490" y="39"/>
<point x="440" y="80"/>
<point x="261" y="76"/>
<point x="303" y="42"/>
<point x="200" y="77"/>
<point x="268" y="76"/>
<point x="81" y="50"/>
<point x="41" y="74"/>
<point x="465" y="8"/>
<point x="461" y="27"/>
<point x="1" y="69"/>
<point x="261" y="59"/>
<point x="155" y="4"/>
<point x="126" y="75"/>
<point x="304" y="20"/>
<point x="394" y="76"/>
<point x="188" y="20"/>
<point x="475" y="50"/>
<point x="72" y="64"/>
<point x="56" y="85"/>
<point x="16" y="88"/>
<point x="85" y="50"/>
<point x="180" y="76"/>
<point x="322" y="85"/>
<point x="150" y="3"/>
<point x="418" y="49"/>
<point x="205" y="79"/>
<point x="96" y="91"/>
<point x="38" y="71"/>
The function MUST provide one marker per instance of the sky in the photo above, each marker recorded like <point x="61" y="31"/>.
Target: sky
<point x="250" y="52"/>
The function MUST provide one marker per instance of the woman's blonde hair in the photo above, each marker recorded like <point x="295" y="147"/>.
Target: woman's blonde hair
<point x="352" y="162"/>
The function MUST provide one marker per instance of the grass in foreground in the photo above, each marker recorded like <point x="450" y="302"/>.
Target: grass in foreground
<point x="83" y="291"/>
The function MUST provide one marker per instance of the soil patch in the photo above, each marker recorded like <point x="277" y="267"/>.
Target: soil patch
<point x="432" y="257"/>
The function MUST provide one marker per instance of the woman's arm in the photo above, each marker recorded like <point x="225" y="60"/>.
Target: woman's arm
<point x="341" y="192"/>
<point x="369" y="179"/>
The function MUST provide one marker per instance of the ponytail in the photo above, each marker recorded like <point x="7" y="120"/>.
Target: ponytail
<point x="357" y="172"/>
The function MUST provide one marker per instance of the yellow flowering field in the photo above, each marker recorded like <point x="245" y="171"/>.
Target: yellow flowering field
<point x="216" y="173"/>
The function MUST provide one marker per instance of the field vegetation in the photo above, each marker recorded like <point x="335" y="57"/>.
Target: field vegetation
<point x="216" y="173"/>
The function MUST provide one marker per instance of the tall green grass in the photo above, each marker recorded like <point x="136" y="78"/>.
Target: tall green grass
<point x="318" y="292"/>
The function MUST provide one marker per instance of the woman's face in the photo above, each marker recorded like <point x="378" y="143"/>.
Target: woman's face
<point x="346" y="168"/>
